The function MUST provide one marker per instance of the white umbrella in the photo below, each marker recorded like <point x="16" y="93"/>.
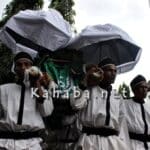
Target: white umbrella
<point x="37" y="30"/>
<point x="100" y="41"/>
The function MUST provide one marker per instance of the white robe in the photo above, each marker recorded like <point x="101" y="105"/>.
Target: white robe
<point x="93" y="114"/>
<point x="135" y="122"/>
<point x="32" y="116"/>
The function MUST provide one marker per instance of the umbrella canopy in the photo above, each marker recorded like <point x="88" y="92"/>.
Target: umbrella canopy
<point x="36" y="30"/>
<point x="100" y="41"/>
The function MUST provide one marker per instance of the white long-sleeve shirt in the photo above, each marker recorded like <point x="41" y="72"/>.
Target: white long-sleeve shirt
<point x="32" y="116"/>
<point x="93" y="114"/>
<point x="32" y="113"/>
<point x="135" y="122"/>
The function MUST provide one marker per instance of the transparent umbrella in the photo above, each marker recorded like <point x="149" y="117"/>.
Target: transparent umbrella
<point x="100" y="41"/>
<point x="35" y="31"/>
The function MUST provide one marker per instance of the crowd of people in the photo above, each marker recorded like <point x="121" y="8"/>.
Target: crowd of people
<point x="95" y="118"/>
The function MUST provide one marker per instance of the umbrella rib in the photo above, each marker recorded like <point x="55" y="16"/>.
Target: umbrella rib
<point x="26" y="42"/>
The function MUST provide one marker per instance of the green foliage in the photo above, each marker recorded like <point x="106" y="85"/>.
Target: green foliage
<point x="6" y="59"/>
<point x="16" y="5"/>
<point x="65" y="8"/>
<point x="124" y="90"/>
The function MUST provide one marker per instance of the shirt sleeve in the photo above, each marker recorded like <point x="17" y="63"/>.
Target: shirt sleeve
<point x="124" y="134"/>
<point x="46" y="108"/>
<point x="2" y="103"/>
<point x="80" y="101"/>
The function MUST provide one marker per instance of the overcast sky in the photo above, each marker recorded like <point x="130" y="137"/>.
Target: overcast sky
<point x="133" y="16"/>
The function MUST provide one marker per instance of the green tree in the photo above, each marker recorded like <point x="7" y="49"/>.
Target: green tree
<point x="5" y="64"/>
<point x="65" y="7"/>
<point x="124" y="90"/>
<point x="5" y="54"/>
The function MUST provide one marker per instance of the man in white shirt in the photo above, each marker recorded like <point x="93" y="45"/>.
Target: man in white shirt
<point x="21" y="123"/>
<point x="102" y="114"/>
<point x="138" y="114"/>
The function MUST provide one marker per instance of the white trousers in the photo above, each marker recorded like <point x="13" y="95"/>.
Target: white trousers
<point x="27" y="144"/>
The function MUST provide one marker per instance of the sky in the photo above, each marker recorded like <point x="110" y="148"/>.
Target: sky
<point x="133" y="16"/>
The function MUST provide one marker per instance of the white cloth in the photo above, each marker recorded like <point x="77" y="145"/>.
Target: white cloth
<point x="28" y="144"/>
<point x="32" y="114"/>
<point x="93" y="114"/>
<point x="135" y="121"/>
<point x="38" y="26"/>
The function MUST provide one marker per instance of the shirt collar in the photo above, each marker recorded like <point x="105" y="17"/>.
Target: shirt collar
<point x="138" y="100"/>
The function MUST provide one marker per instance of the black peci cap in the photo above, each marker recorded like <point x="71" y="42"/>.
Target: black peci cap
<point x="105" y="62"/>
<point x="137" y="80"/>
<point x="22" y="55"/>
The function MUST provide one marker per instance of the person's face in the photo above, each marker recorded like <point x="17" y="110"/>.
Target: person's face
<point x="21" y="65"/>
<point x="141" y="90"/>
<point x="95" y="70"/>
<point x="110" y="73"/>
<point x="94" y="75"/>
